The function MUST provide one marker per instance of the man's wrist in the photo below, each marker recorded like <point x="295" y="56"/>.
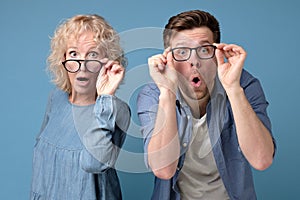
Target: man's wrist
<point x="233" y="93"/>
<point x="166" y="94"/>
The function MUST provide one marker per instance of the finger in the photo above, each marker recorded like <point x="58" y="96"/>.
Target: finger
<point x="166" y="51"/>
<point x="110" y="64"/>
<point x="103" y="71"/>
<point x="158" y="62"/>
<point x="170" y="61"/>
<point x="219" y="45"/>
<point x="228" y="54"/>
<point x="101" y="77"/>
<point x="238" y="50"/>
<point x="161" y="61"/>
<point x="104" y="60"/>
<point x="106" y="67"/>
<point x="234" y="50"/>
<point x="117" y="68"/>
<point x="227" y="49"/>
<point x="220" y="57"/>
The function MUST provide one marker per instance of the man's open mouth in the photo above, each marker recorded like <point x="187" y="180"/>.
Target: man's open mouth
<point x="196" y="82"/>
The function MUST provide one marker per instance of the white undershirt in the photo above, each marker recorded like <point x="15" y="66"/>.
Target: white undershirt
<point x="199" y="178"/>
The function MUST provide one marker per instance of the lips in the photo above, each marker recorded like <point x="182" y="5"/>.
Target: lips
<point x="82" y="79"/>
<point x="195" y="82"/>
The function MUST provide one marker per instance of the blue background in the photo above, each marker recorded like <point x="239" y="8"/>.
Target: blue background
<point x="268" y="30"/>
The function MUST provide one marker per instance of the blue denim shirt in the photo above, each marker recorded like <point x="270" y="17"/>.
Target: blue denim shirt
<point x="77" y="148"/>
<point x="233" y="167"/>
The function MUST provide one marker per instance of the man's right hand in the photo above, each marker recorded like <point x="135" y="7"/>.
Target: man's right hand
<point x="162" y="71"/>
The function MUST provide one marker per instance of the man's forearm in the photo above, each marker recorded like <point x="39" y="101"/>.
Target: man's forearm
<point x="254" y="138"/>
<point x="164" y="146"/>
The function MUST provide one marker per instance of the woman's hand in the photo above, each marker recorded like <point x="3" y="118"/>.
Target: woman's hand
<point x="109" y="78"/>
<point x="230" y="71"/>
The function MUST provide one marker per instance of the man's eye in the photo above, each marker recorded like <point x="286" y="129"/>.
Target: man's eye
<point x="204" y="50"/>
<point x="181" y="51"/>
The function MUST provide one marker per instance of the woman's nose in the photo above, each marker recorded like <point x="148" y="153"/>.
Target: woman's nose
<point x="82" y="66"/>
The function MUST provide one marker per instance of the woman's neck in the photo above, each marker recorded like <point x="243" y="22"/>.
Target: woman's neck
<point x="82" y="100"/>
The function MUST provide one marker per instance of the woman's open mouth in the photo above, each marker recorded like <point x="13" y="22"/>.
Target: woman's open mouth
<point x="82" y="81"/>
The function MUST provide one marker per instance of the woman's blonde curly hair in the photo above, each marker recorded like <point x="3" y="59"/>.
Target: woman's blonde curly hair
<point x="105" y="37"/>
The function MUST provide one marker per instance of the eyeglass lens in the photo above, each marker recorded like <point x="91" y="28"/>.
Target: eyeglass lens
<point x="93" y="66"/>
<point x="184" y="53"/>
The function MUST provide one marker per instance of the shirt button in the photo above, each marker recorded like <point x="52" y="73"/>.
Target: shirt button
<point x="188" y="117"/>
<point x="184" y="144"/>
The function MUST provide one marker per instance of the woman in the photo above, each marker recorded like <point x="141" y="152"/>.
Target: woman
<point x="85" y="124"/>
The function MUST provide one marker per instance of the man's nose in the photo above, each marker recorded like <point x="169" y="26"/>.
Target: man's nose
<point x="194" y="59"/>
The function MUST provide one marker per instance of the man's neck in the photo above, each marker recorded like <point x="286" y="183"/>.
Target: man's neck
<point x="197" y="106"/>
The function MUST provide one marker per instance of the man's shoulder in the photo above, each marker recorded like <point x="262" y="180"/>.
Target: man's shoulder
<point x="247" y="78"/>
<point x="148" y="96"/>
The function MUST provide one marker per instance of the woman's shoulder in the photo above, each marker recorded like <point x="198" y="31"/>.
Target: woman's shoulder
<point x="57" y="97"/>
<point x="57" y="94"/>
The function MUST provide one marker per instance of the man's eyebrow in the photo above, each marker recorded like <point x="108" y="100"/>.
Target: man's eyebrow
<point x="205" y="41"/>
<point x="180" y="43"/>
<point x="184" y="43"/>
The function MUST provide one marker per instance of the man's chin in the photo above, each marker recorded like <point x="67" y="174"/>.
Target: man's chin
<point x="198" y="94"/>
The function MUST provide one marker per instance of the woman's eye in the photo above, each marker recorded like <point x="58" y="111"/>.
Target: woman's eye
<point x="93" y="55"/>
<point x="73" y="54"/>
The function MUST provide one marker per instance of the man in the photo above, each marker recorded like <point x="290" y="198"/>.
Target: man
<point x="204" y="121"/>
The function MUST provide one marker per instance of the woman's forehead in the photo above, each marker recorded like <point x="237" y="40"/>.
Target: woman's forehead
<point x="83" y="38"/>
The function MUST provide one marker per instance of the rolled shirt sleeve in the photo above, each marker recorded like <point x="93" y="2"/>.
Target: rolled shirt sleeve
<point x="147" y="106"/>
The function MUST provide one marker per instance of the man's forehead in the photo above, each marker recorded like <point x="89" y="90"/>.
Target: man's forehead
<point x="193" y="36"/>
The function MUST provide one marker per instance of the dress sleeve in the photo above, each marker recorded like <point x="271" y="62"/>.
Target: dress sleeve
<point x="105" y="135"/>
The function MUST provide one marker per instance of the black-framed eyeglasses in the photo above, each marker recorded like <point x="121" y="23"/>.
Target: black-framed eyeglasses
<point x="184" y="53"/>
<point x="73" y="65"/>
